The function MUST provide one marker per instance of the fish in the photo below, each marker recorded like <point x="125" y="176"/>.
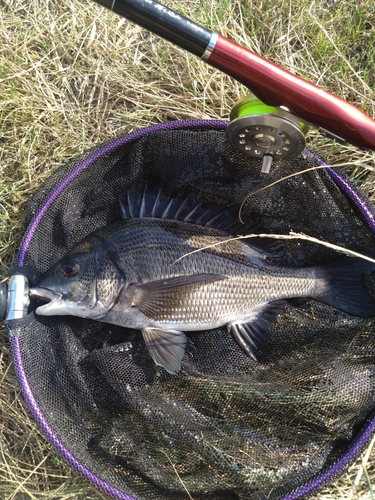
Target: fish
<point x="171" y="266"/>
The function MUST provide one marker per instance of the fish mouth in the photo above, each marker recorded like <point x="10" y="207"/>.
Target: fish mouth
<point x="55" y="302"/>
<point x="59" y="305"/>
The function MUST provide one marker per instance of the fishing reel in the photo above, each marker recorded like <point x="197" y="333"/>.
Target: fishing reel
<point x="265" y="132"/>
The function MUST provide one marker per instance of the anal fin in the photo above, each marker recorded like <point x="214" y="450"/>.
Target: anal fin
<point x="250" y="333"/>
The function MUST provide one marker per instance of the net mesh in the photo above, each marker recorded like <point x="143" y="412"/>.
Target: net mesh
<point x="225" y="427"/>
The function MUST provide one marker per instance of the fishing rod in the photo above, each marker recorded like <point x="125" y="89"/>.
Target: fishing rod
<point x="271" y="123"/>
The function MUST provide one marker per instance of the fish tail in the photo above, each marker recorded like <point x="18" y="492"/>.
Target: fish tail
<point x="343" y="286"/>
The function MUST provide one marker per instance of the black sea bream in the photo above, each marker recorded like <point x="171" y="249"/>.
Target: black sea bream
<point x="141" y="273"/>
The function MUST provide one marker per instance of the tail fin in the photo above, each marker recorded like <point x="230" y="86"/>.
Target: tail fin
<point x="345" y="286"/>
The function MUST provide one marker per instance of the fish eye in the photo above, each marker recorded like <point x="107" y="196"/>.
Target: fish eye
<point x="69" y="270"/>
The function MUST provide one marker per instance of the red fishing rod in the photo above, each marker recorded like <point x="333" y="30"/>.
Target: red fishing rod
<point x="273" y="123"/>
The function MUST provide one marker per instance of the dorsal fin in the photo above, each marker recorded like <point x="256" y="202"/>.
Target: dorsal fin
<point x="157" y="205"/>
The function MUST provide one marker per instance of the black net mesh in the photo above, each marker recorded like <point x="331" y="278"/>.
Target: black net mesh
<point x="225" y="427"/>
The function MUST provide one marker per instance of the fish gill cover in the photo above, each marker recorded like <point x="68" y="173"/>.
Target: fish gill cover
<point x="226" y="426"/>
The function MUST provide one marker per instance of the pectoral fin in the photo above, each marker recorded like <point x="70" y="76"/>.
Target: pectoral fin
<point x="166" y="347"/>
<point x="156" y="298"/>
<point x="248" y="334"/>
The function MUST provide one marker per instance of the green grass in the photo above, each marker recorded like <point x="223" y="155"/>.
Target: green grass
<point x="73" y="75"/>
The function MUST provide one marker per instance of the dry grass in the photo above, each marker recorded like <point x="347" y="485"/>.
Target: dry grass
<point x="73" y="75"/>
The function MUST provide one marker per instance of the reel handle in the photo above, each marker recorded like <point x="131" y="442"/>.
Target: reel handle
<point x="337" y="118"/>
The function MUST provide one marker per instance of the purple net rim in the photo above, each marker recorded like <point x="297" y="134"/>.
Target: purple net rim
<point x="364" y="208"/>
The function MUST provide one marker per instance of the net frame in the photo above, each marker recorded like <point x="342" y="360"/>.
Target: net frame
<point x="344" y="184"/>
